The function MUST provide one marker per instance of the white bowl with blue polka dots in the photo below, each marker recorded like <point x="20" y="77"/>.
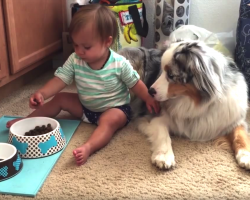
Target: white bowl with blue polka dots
<point x="10" y="161"/>
<point x="39" y="145"/>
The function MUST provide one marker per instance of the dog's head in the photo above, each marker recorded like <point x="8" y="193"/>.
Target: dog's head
<point x="190" y="68"/>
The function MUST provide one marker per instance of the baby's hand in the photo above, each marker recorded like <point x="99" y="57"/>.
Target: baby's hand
<point x="36" y="100"/>
<point x="151" y="102"/>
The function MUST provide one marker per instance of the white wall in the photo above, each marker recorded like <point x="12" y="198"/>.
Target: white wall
<point x="213" y="15"/>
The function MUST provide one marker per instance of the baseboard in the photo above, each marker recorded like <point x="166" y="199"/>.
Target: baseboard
<point x="19" y="82"/>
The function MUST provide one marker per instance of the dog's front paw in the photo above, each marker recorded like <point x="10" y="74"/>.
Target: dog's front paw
<point x="163" y="160"/>
<point x="243" y="158"/>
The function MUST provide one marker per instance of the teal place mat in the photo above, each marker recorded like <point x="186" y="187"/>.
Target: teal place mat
<point x="35" y="171"/>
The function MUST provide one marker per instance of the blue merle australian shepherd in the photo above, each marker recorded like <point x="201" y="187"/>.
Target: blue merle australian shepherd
<point x="203" y="97"/>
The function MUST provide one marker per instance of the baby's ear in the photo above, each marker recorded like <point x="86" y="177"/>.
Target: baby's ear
<point x="109" y="41"/>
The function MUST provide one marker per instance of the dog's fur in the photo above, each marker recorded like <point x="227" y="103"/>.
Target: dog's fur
<point x="203" y="97"/>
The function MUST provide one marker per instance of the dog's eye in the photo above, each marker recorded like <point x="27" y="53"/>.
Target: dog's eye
<point x="170" y="75"/>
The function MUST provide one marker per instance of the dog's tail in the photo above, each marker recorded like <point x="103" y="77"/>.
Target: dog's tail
<point x="223" y="142"/>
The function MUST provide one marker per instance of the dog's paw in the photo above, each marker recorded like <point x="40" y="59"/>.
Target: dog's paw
<point x="163" y="160"/>
<point x="243" y="158"/>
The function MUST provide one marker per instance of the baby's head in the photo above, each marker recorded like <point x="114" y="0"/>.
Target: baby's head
<point x="92" y="25"/>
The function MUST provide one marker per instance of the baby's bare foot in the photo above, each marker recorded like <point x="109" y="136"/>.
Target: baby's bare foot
<point x="81" y="154"/>
<point x="10" y="123"/>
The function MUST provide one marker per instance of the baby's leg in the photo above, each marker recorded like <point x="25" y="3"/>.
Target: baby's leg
<point x="109" y="122"/>
<point x="62" y="101"/>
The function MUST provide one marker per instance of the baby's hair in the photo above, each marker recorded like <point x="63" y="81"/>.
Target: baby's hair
<point x="103" y="18"/>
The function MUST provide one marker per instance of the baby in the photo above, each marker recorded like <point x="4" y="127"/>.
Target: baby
<point x="103" y="79"/>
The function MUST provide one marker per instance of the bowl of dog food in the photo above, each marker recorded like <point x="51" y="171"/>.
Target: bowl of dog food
<point x="10" y="161"/>
<point x="37" y="137"/>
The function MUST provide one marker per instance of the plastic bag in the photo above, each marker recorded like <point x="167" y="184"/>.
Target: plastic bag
<point x="216" y="41"/>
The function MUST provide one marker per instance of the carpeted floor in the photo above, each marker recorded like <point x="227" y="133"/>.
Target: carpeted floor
<point x="122" y="170"/>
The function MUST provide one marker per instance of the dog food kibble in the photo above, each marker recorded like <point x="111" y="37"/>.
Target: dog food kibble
<point x="39" y="130"/>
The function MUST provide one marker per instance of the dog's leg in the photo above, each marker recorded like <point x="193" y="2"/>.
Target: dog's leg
<point x="158" y="135"/>
<point x="241" y="146"/>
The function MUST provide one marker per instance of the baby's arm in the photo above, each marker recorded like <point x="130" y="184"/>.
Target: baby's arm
<point x="63" y="77"/>
<point x="52" y="87"/>
<point x="141" y="90"/>
<point x="131" y="78"/>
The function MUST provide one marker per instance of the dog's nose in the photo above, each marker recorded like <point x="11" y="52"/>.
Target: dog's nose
<point x="152" y="91"/>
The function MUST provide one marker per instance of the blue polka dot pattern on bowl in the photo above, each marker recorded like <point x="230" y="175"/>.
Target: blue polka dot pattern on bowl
<point x="10" y="163"/>
<point x="17" y="163"/>
<point x="39" y="145"/>
<point x="4" y="171"/>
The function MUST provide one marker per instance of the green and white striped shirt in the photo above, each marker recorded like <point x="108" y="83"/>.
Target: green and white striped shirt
<point x="102" y="89"/>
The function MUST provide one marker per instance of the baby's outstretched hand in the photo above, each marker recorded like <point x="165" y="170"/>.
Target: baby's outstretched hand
<point x="152" y="103"/>
<point x="36" y="100"/>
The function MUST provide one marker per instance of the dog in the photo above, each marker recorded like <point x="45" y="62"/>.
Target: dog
<point x="203" y="97"/>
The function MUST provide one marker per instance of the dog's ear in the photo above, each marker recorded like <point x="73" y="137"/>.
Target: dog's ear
<point x="200" y="67"/>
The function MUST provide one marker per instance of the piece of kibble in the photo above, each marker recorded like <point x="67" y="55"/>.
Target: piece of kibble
<point x="39" y="130"/>
<point x="27" y="134"/>
<point x="32" y="132"/>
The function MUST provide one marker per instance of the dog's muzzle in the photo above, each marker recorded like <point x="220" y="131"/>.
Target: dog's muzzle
<point x="152" y="92"/>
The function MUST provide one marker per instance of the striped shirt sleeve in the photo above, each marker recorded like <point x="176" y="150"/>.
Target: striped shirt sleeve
<point x="66" y="72"/>
<point x="128" y="75"/>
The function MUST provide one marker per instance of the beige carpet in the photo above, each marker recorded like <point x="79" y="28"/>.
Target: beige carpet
<point x="122" y="170"/>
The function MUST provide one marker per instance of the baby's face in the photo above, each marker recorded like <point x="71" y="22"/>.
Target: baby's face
<point x="87" y="45"/>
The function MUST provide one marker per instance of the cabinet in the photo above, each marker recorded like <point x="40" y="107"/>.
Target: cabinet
<point x="30" y="31"/>
<point x="4" y="70"/>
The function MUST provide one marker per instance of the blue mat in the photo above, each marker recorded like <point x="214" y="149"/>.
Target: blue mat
<point x="35" y="171"/>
